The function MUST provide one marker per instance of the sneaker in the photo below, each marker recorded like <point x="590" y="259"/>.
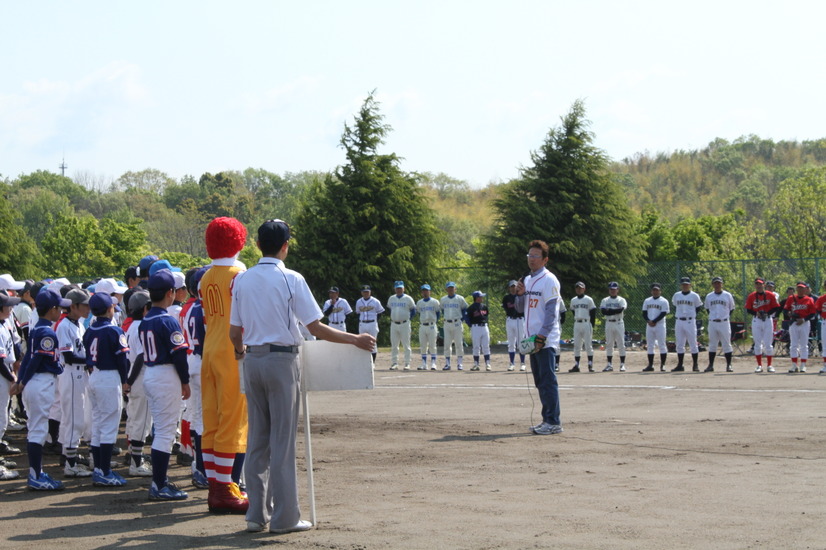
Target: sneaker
<point x="459" y="367"/>
<point x="44" y="483"/>
<point x="394" y="367"/>
<point x="548" y="429"/>
<point x="7" y="449"/>
<point x="255" y="527"/>
<point x="709" y="369"/>
<point x="85" y="460"/>
<point x="649" y="368"/>
<point x="622" y="368"/>
<point x="793" y="369"/>
<point x="111" y="480"/>
<point x="78" y="470"/>
<point x="169" y="492"/>
<point x="407" y="367"/>
<point x="144" y="470"/>
<point x="13" y="426"/>
<point x="488" y="367"/>
<point x="422" y="367"/>
<point x="802" y="368"/>
<point x="522" y="368"/>
<point x="695" y="368"/>
<point x="823" y="370"/>
<point x="662" y="368"/>
<point x="474" y="368"/>
<point x="199" y="480"/>
<point x="758" y="368"/>
<point x="446" y="367"/>
<point x="8" y="463"/>
<point x="52" y="448"/>
<point x="433" y="366"/>
<point x="532" y="428"/>
<point x="511" y="367"/>
<point x="184" y="459"/>
<point x="302" y="525"/>
<point x="609" y="368"/>
<point x="770" y="369"/>
<point x="6" y="474"/>
<point x="590" y="368"/>
<point x="575" y="368"/>
<point x="678" y="369"/>
<point x="729" y="368"/>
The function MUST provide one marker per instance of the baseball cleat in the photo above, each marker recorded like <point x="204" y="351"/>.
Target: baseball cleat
<point x="6" y="449"/>
<point x="695" y="368"/>
<point x="488" y="367"/>
<point x="6" y="474"/>
<point x="575" y="368"/>
<point x="100" y="479"/>
<point x="44" y="483"/>
<point x="547" y="429"/>
<point x="144" y="470"/>
<point x="522" y="367"/>
<point x="421" y="367"/>
<point x="823" y="370"/>
<point x="78" y="470"/>
<point x="168" y="492"/>
<point x="302" y="525"/>
<point x="394" y="367"/>
<point x="758" y="368"/>
<point x="199" y="480"/>
<point x="13" y="426"/>
<point x="649" y="368"/>
<point x="729" y="368"/>
<point x="609" y="368"/>
<point x="7" y="462"/>
<point x="678" y="368"/>
<point x="709" y="369"/>
<point x="770" y="369"/>
<point x="474" y="368"/>
<point x="590" y="368"/>
<point x="433" y="366"/>
<point x="511" y="367"/>
<point x="407" y="367"/>
<point x="255" y="527"/>
<point x="459" y="368"/>
<point x="622" y="368"/>
<point x="803" y="368"/>
<point x="793" y="369"/>
<point x="446" y="367"/>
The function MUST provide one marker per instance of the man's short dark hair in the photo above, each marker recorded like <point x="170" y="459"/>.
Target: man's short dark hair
<point x="541" y="245"/>
<point x="158" y="294"/>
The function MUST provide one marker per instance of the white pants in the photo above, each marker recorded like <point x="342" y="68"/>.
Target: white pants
<point x="583" y="334"/>
<point x="139" y="419"/>
<point x="399" y="334"/>
<point x="614" y="335"/>
<point x="822" y="333"/>
<point x="685" y="332"/>
<point x="371" y="328"/>
<point x="163" y="391"/>
<point x="427" y="338"/>
<point x="454" y="335"/>
<point x="480" y="336"/>
<point x="194" y="413"/>
<point x="106" y="396"/>
<point x="799" y="340"/>
<point x="5" y="397"/>
<point x="339" y="326"/>
<point x="655" y="337"/>
<point x="72" y="387"/>
<point x="762" y="332"/>
<point x="719" y="332"/>
<point x="516" y="333"/>
<point x="38" y="396"/>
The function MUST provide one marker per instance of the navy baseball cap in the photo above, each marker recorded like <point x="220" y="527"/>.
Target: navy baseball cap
<point x="613" y="284"/>
<point x="366" y="288"/>
<point x="333" y="289"/>
<point x="478" y="294"/>
<point x="100" y="303"/>
<point x="274" y="232"/>
<point x="425" y="287"/>
<point x="48" y="298"/>
<point x="717" y="280"/>
<point x="161" y="280"/>
<point x="145" y="263"/>
<point x="685" y="281"/>
<point x="658" y="286"/>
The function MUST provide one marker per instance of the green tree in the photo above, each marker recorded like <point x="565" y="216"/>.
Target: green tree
<point x="570" y="200"/>
<point x="368" y="224"/>
<point x="796" y="217"/>
<point x="73" y="248"/>
<point x="18" y="252"/>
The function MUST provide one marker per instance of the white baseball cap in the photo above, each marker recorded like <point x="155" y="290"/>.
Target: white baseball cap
<point x="180" y="279"/>
<point x="7" y="282"/>
<point x="109" y="286"/>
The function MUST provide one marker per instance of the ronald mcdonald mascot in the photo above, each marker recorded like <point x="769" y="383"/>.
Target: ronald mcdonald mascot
<point x="224" y="441"/>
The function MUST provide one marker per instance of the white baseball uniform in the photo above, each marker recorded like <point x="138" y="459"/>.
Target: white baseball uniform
<point x="72" y="384"/>
<point x="583" y="330"/>
<point x="719" y="308"/>
<point x="337" y="313"/>
<point x="685" y="311"/>
<point x="368" y="311"/>
<point x="139" y="420"/>
<point x="614" y="325"/>
<point x="655" y="336"/>
<point x="401" y="310"/>
<point x="428" y="310"/>
<point x="453" y="309"/>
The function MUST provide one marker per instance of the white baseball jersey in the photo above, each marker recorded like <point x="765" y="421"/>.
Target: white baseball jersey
<point x="539" y="290"/>
<point x="369" y="309"/>
<point x="654" y="306"/>
<point x="617" y="302"/>
<point x="400" y="307"/>
<point x="340" y="310"/>
<point x="720" y="305"/>
<point x="686" y="304"/>
<point x="582" y="306"/>
<point x="452" y="308"/>
<point x="428" y="310"/>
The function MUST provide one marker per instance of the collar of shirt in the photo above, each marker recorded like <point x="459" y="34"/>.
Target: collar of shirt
<point x="229" y="262"/>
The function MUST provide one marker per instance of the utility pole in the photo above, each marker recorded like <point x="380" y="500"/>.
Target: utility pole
<point x="63" y="167"/>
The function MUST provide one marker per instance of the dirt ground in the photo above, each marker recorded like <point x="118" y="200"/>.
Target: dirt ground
<point x="444" y="459"/>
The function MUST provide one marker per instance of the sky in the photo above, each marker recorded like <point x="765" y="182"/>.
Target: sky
<point x="469" y="88"/>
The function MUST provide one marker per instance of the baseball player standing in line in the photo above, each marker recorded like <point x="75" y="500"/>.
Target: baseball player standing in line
<point x="402" y="309"/>
<point x="8" y="358"/>
<point x="803" y="312"/>
<point x="37" y="380"/>
<point x="613" y="308"/>
<point x="585" y="314"/>
<point x="73" y="382"/>
<point x="368" y="309"/>
<point x="336" y="309"/>
<point x="477" y="318"/>
<point x="166" y="379"/>
<point x="138" y="417"/>
<point x="429" y="310"/>
<point x="106" y="355"/>
<point x="654" y="310"/>
<point x="454" y="307"/>
<point x="687" y="304"/>
<point x="539" y="301"/>
<point x="514" y="325"/>
<point x="720" y="305"/>
<point x="820" y="308"/>
<point x="762" y="305"/>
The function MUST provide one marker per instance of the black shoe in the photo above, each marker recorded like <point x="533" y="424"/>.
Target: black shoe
<point x="590" y="369"/>
<point x="574" y="369"/>
<point x="648" y="369"/>
<point x="695" y="369"/>
<point x="176" y="448"/>
<point x="52" y="448"/>
<point x="678" y="368"/>
<point x="709" y="369"/>
<point x="6" y="449"/>
<point x="662" y="368"/>
<point x="184" y="460"/>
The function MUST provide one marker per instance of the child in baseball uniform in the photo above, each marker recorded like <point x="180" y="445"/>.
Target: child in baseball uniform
<point x="166" y="379"/>
<point x="106" y="355"/>
<point x="37" y="381"/>
<point x="138" y="417"/>
<point x="7" y="378"/>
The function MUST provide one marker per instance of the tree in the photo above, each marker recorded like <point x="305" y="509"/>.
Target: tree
<point x="18" y="252"/>
<point x="149" y="180"/>
<point x="796" y="217"/>
<point x="369" y="223"/>
<point x="568" y="199"/>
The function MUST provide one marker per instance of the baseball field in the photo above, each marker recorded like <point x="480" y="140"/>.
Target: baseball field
<point x="445" y="460"/>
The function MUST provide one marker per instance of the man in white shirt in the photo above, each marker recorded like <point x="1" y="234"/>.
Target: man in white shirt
<point x="720" y="305"/>
<point x="336" y="309"/>
<point x="402" y="309"/>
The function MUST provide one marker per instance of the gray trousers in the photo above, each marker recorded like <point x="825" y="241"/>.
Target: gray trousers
<point x="272" y="382"/>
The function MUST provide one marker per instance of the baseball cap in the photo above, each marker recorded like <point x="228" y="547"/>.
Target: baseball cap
<point x="478" y="294"/>
<point x="770" y="283"/>
<point x="180" y="279"/>
<point x="7" y="282"/>
<point x="450" y="284"/>
<point x="759" y="281"/>
<point x="717" y="280"/>
<point x="613" y="284"/>
<point x="333" y="289"/>
<point x="145" y="263"/>
<point x="580" y="284"/>
<point x="161" y="280"/>
<point x="801" y="284"/>
<point x="274" y="233"/>
<point x="366" y="288"/>
<point x="658" y="286"/>
<point x="398" y="284"/>
<point x="685" y="281"/>
<point x="131" y="272"/>
<point x="6" y="300"/>
<point x="162" y="264"/>
<point x="100" y="303"/>
<point x="513" y="282"/>
<point x="48" y="298"/>
<point x="138" y="300"/>
<point x="109" y="286"/>
<point x="78" y="296"/>
<point x="36" y="288"/>
<point x="425" y="287"/>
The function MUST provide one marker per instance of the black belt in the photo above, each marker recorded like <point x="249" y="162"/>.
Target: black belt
<point x="273" y="348"/>
<point x="583" y="321"/>
<point x="718" y="320"/>
<point x="427" y="324"/>
<point x="685" y="318"/>
<point x="520" y="317"/>
<point x="400" y="322"/>
<point x="480" y="324"/>
<point x="453" y="320"/>
<point x="370" y="321"/>
<point x="614" y="320"/>
<point x="336" y="322"/>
